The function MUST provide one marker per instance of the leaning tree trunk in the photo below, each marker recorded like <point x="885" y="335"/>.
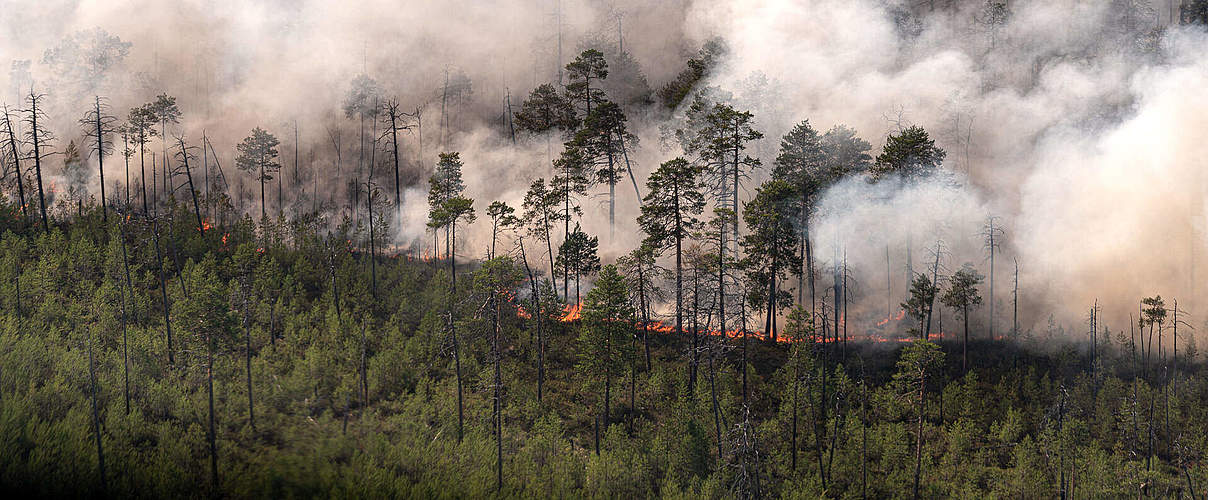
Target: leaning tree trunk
<point x="96" y="419"/>
<point x="212" y="437"/>
<point x="193" y="192"/>
<point x="125" y="336"/>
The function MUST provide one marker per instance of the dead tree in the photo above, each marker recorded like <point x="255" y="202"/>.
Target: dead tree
<point x="183" y="154"/>
<point x="537" y="317"/>
<point x="98" y="127"/>
<point x="993" y="234"/>
<point x="937" y="253"/>
<point x="39" y="139"/>
<point x="394" y="116"/>
<point x="10" y="143"/>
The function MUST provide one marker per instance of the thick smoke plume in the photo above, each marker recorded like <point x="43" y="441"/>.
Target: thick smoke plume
<point x="1076" y="123"/>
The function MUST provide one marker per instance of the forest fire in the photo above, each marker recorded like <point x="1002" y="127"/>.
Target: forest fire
<point x="572" y="313"/>
<point x="901" y="314"/>
<point x="205" y="225"/>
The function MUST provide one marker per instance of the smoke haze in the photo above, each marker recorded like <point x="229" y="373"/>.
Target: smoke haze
<point x="1077" y="123"/>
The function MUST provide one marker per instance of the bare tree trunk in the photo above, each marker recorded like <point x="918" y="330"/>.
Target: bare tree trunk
<point x="498" y="403"/>
<point x="100" y="159"/>
<point x="163" y="289"/>
<point x="453" y="327"/>
<point x="918" y="447"/>
<point x="645" y="312"/>
<point x="125" y="337"/>
<point x="96" y="418"/>
<point x="12" y="143"/>
<point x="212" y="437"/>
<point x="33" y="116"/>
<point x="796" y="391"/>
<point x="538" y="318"/>
<point x="247" y="331"/>
<point x="184" y="155"/>
<point x="965" y="342"/>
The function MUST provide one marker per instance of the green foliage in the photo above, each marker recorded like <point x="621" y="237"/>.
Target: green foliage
<point x="699" y="67"/>
<point x="922" y="294"/>
<point x="258" y="155"/>
<point x="1194" y="12"/>
<point x="989" y="433"/>
<point x="910" y="154"/>
<point x="587" y="67"/>
<point x="771" y="238"/>
<point x="546" y="110"/>
<point x="672" y="204"/>
<point x="579" y="256"/>
<point x="962" y="291"/>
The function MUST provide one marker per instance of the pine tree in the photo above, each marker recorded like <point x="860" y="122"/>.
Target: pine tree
<point x="669" y="216"/>
<point x="768" y="245"/>
<point x="141" y="126"/>
<point x="910" y="154"/>
<point x="922" y="293"/>
<point x="578" y="256"/>
<point x="540" y="214"/>
<point x="448" y="207"/>
<point x="917" y="361"/>
<point x="603" y="346"/>
<point x="258" y="155"/>
<point x="98" y="128"/>
<point x="961" y="295"/>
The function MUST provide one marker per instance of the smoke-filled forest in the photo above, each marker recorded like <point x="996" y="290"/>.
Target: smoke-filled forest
<point x="603" y="248"/>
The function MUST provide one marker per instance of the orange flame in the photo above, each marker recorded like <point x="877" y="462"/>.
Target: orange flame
<point x="571" y="313"/>
<point x="901" y="314"/>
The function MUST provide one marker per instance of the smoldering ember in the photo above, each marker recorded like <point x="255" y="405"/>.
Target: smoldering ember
<point x="604" y="248"/>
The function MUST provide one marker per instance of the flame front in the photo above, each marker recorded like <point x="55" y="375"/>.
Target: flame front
<point x="571" y="313"/>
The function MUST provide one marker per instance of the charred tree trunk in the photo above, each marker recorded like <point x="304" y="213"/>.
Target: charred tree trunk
<point x="12" y="144"/>
<point x="679" y="276"/>
<point x="453" y="327"/>
<point x="210" y="393"/>
<point x="918" y="446"/>
<point x="796" y="391"/>
<point x="965" y="342"/>
<point x="163" y="289"/>
<point x="100" y="158"/>
<point x="645" y="312"/>
<point x="142" y="168"/>
<point x="247" y="331"/>
<point x="372" y="241"/>
<point x="125" y="336"/>
<point x="498" y="402"/>
<point x="184" y="156"/>
<point x="695" y="359"/>
<point x="538" y="319"/>
<point x="37" y="143"/>
<point x="96" y="418"/>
